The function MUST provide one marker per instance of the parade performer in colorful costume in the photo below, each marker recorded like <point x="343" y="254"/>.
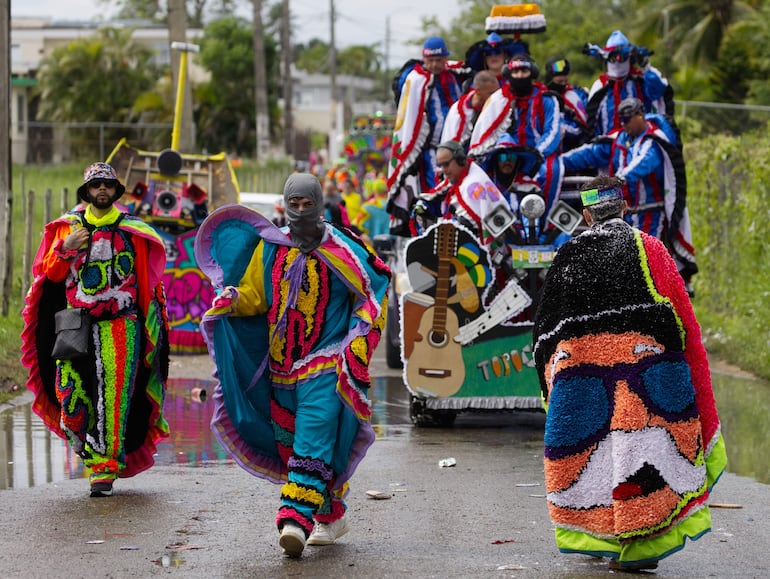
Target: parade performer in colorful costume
<point x="427" y="90"/>
<point x="573" y="101"/>
<point x="463" y="114"/>
<point x="646" y="157"/>
<point x="373" y="219"/>
<point x="492" y="53"/>
<point x="292" y="334"/>
<point x="107" y="404"/>
<point x="466" y="195"/>
<point x="632" y="438"/>
<point x="527" y="111"/>
<point x="628" y="74"/>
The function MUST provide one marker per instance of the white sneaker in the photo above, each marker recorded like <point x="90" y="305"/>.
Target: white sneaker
<point x="327" y="533"/>
<point x="292" y="539"/>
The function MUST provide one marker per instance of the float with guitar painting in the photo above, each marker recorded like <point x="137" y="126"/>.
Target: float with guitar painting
<point x="466" y="338"/>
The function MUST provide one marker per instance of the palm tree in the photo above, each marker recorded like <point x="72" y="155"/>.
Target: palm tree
<point x="695" y="27"/>
<point x="96" y="78"/>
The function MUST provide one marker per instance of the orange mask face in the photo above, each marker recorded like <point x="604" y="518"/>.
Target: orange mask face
<point x="623" y="435"/>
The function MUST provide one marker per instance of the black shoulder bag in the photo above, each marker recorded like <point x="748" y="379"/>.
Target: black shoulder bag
<point x="73" y="334"/>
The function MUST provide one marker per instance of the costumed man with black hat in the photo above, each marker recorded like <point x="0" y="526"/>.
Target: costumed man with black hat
<point x="530" y="114"/>
<point x="292" y="332"/>
<point x="425" y="90"/>
<point x="645" y="156"/>
<point x="108" y="402"/>
<point x="633" y="444"/>
<point x="573" y="101"/>
<point x="493" y="52"/>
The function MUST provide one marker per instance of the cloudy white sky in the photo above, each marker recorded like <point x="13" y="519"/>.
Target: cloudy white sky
<point x="358" y="21"/>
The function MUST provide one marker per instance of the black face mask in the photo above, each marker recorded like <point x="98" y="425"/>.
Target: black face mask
<point x="556" y="87"/>
<point x="305" y="227"/>
<point x="521" y="86"/>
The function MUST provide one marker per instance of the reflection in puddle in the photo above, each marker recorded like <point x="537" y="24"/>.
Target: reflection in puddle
<point x="30" y="455"/>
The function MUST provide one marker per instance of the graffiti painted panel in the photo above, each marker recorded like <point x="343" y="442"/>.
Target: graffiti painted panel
<point x="189" y="293"/>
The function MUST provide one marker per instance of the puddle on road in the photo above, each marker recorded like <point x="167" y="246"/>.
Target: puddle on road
<point x="30" y="455"/>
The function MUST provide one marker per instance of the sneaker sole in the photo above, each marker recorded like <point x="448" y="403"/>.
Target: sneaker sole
<point x="100" y="494"/>
<point x="291" y="545"/>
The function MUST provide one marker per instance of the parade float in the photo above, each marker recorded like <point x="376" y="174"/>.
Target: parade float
<point x="174" y="192"/>
<point x="465" y="320"/>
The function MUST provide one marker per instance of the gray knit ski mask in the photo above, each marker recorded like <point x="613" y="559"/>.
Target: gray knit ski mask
<point x="305" y="227"/>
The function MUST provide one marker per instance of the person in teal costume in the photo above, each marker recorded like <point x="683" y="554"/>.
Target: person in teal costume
<point x="299" y="314"/>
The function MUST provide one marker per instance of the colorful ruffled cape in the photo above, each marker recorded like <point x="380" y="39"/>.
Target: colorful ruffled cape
<point x="632" y="441"/>
<point x="243" y="418"/>
<point x="146" y="424"/>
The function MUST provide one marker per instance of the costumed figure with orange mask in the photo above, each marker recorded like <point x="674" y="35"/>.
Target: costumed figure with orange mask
<point x="633" y="443"/>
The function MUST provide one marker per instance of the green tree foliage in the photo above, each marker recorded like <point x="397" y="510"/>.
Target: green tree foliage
<point x="225" y="112"/>
<point x="731" y="226"/>
<point x="96" y="78"/>
<point x="356" y="60"/>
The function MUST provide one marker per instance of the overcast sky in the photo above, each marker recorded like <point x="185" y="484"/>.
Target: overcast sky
<point x="358" y="21"/>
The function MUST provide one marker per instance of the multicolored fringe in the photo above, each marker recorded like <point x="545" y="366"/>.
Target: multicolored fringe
<point x="45" y="298"/>
<point x="243" y="403"/>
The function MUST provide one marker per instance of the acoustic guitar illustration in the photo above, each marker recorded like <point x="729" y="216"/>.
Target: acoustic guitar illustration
<point x="436" y="365"/>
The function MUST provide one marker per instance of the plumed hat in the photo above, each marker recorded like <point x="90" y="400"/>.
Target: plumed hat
<point x="474" y="56"/>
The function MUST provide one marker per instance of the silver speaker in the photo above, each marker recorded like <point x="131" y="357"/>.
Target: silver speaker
<point x="499" y="220"/>
<point x="564" y="217"/>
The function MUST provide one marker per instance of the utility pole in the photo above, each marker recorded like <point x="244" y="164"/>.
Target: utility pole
<point x="260" y="84"/>
<point x="177" y="32"/>
<point x="288" y="116"/>
<point x="386" y="55"/>
<point x="6" y="198"/>
<point x="332" y="84"/>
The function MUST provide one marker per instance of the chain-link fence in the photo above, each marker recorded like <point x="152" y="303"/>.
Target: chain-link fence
<point x="46" y="142"/>
<point x="699" y="119"/>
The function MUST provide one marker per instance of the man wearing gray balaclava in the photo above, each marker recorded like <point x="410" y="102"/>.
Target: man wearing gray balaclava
<point x="304" y="208"/>
<point x="292" y="343"/>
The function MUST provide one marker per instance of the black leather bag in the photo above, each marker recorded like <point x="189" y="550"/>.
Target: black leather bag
<point x="73" y="334"/>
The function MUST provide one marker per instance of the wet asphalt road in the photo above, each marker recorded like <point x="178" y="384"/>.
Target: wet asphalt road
<point x="486" y="516"/>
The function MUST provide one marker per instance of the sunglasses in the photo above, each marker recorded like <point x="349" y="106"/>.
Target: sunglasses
<point x="624" y="120"/>
<point x="503" y="157"/>
<point x="444" y="165"/>
<point x="492" y="51"/>
<point x="617" y="56"/>
<point x="109" y="183"/>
